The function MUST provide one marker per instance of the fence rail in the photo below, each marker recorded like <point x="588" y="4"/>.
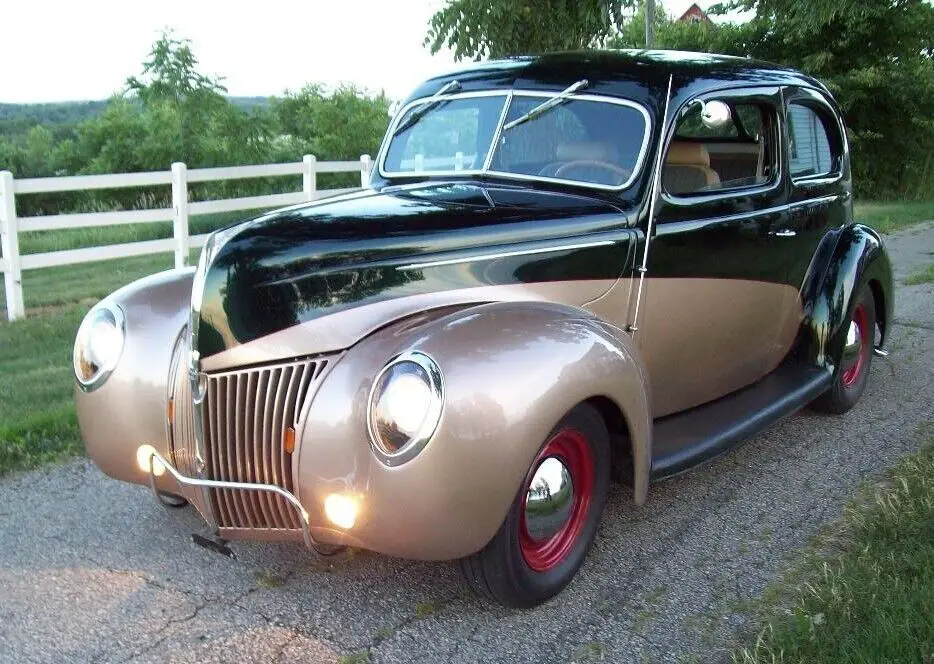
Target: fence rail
<point x="12" y="262"/>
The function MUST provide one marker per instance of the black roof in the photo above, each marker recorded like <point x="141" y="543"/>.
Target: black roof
<point x="635" y="74"/>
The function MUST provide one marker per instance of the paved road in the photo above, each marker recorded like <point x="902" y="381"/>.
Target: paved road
<point x="91" y="570"/>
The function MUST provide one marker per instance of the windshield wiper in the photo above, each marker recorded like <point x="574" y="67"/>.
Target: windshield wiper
<point x="544" y="107"/>
<point x="429" y="104"/>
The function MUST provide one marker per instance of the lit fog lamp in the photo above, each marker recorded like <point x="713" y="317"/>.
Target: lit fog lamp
<point x="145" y="459"/>
<point x="98" y="345"/>
<point x="341" y="510"/>
<point x="405" y="407"/>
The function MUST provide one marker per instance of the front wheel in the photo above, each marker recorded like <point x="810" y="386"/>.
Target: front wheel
<point x="553" y="520"/>
<point x="853" y="365"/>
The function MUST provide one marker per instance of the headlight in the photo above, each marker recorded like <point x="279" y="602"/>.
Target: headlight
<point x="405" y="407"/>
<point x="98" y="345"/>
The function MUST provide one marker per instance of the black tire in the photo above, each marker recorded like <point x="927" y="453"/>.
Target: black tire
<point x="501" y="570"/>
<point x="850" y="379"/>
<point x="172" y="500"/>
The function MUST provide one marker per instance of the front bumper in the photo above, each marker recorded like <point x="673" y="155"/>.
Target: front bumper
<point x="184" y="482"/>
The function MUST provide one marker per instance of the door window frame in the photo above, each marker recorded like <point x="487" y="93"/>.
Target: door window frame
<point x="771" y="95"/>
<point x="833" y="128"/>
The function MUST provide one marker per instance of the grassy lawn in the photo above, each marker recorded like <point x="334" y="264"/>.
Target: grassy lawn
<point x="870" y="596"/>
<point x="888" y="217"/>
<point x="37" y="416"/>
<point x="921" y="276"/>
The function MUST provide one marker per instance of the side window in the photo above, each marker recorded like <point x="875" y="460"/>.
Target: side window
<point x="809" y="145"/>
<point x="739" y="154"/>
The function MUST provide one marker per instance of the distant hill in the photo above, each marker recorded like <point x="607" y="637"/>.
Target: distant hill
<point x="17" y="117"/>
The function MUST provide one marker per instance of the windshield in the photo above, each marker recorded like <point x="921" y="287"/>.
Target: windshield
<point x="588" y="140"/>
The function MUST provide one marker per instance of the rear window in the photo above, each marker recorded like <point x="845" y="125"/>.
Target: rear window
<point x="809" y="153"/>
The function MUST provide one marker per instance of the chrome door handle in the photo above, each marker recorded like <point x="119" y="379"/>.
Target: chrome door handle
<point x="783" y="233"/>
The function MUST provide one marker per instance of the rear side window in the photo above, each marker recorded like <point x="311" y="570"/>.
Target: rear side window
<point x="809" y="145"/>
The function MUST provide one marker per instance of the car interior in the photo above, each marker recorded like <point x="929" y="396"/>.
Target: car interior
<point x="739" y="154"/>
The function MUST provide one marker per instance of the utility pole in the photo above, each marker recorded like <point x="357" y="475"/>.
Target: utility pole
<point x="649" y="23"/>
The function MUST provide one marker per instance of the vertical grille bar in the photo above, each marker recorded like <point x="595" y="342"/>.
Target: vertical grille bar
<point x="246" y="416"/>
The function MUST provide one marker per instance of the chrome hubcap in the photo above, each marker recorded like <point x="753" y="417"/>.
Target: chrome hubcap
<point x="550" y="500"/>
<point x="853" y="344"/>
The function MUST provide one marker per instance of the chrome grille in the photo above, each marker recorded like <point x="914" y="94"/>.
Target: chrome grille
<point x="182" y="416"/>
<point x="245" y="417"/>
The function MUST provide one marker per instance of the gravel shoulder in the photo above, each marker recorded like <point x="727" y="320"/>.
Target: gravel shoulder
<point x="93" y="570"/>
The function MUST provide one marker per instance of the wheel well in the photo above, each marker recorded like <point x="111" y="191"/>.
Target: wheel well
<point x="620" y="438"/>
<point x="878" y="297"/>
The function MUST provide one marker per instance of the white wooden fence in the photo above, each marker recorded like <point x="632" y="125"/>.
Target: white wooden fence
<point x="12" y="263"/>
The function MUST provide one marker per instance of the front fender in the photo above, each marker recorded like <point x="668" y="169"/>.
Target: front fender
<point x="857" y="259"/>
<point x="129" y="409"/>
<point x="511" y="372"/>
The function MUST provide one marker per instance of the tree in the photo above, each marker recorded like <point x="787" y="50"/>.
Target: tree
<point x="501" y="28"/>
<point x="178" y="97"/>
<point x="876" y="56"/>
<point x="342" y="124"/>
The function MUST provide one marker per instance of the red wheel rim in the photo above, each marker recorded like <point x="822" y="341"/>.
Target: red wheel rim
<point x="570" y="447"/>
<point x="852" y="375"/>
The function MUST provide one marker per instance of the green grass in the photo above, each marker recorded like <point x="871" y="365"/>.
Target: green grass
<point x="77" y="238"/>
<point x="37" y="416"/>
<point x="869" y="597"/>
<point x="892" y="216"/>
<point x="921" y="276"/>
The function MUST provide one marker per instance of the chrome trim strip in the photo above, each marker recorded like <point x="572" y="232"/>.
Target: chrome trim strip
<point x="505" y="254"/>
<point x="510" y="94"/>
<point x="242" y="486"/>
<point x="496" y="134"/>
<point x="656" y="188"/>
<point x="676" y="226"/>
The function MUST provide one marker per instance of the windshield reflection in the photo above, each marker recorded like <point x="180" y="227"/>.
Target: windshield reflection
<point x="585" y="139"/>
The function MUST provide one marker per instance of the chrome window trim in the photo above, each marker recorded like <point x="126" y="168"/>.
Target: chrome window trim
<point x="702" y="197"/>
<point x="509" y="96"/>
<point x="814" y="101"/>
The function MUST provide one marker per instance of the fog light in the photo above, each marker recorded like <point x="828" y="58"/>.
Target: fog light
<point x="341" y="510"/>
<point x="144" y="457"/>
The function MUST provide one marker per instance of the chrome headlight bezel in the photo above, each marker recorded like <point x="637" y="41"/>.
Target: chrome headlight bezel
<point x="113" y="315"/>
<point x="410" y="363"/>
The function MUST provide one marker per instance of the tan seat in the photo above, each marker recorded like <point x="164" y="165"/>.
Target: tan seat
<point x="687" y="168"/>
<point x="587" y="151"/>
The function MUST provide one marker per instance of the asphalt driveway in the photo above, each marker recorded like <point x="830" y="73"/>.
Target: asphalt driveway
<point x="93" y="570"/>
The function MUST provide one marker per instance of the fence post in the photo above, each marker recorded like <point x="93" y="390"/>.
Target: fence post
<point x="9" y="240"/>
<point x="365" y="165"/>
<point x="309" y="176"/>
<point x="180" y="213"/>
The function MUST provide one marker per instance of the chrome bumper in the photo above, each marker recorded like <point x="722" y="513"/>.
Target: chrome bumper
<point x="215" y="484"/>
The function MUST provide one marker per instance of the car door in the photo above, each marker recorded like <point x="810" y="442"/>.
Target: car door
<point x="716" y="294"/>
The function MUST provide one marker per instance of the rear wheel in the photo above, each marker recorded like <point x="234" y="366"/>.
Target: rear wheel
<point x="553" y="520"/>
<point x="853" y="366"/>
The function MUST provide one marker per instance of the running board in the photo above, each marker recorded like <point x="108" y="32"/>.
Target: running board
<point x="687" y="439"/>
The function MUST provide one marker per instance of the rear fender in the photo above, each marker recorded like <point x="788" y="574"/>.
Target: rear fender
<point x="855" y="260"/>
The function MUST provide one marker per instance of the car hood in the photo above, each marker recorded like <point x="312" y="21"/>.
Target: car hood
<point x="293" y="265"/>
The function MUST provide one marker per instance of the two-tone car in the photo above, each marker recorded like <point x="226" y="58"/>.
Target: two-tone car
<point x="567" y="270"/>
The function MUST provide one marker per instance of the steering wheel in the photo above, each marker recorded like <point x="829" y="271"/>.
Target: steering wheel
<point x="590" y="163"/>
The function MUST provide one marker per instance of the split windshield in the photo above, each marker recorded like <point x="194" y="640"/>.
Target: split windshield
<point x="582" y="139"/>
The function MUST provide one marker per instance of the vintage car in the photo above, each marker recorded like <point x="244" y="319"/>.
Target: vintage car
<point x="567" y="270"/>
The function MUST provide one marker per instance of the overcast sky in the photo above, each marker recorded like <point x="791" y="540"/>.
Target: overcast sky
<point x="67" y="49"/>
